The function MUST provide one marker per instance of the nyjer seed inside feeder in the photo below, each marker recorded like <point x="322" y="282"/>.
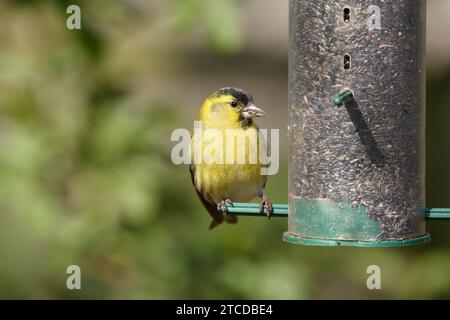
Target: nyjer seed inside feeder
<point x="357" y="122"/>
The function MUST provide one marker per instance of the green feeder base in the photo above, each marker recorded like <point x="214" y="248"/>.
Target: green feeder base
<point x="313" y="228"/>
<point x="288" y="237"/>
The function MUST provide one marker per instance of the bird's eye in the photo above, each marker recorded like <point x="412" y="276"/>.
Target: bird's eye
<point x="234" y="104"/>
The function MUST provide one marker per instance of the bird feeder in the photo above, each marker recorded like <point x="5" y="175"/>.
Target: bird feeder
<point x="356" y="124"/>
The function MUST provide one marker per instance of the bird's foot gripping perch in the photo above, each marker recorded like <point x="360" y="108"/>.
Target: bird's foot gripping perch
<point x="222" y="207"/>
<point x="265" y="206"/>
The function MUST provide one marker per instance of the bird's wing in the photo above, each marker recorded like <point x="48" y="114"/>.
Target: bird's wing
<point x="211" y="207"/>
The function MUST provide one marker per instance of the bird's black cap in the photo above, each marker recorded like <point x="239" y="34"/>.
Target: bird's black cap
<point x="239" y="94"/>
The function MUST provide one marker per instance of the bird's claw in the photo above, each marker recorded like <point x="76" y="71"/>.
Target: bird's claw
<point x="265" y="206"/>
<point x="222" y="206"/>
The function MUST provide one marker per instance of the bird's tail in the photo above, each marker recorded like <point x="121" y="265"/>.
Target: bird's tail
<point x="230" y="219"/>
<point x="227" y="218"/>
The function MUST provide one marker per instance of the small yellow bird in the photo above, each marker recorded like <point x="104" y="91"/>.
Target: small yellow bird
<point x="219" y="184"/>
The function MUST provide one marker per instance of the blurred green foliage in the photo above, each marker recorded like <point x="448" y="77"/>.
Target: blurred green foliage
<point x="86" y="176"/>
<point x="220" y="18"/>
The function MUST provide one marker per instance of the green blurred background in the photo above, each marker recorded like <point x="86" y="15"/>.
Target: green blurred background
<point x="85" y="170"/>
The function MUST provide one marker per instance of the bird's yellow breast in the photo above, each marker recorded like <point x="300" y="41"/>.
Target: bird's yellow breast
<point x="239" y="180"/>
<point x="233" y="170"/>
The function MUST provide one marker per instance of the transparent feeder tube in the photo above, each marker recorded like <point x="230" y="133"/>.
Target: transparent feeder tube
<point x="357" y="166"/>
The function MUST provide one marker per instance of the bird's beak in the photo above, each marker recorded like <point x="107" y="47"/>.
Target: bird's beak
<point x="252" y="111"/>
